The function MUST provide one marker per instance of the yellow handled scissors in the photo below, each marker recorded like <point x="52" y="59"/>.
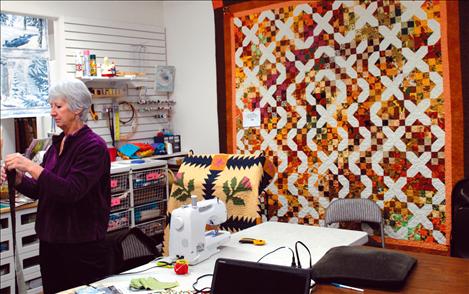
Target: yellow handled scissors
<point x="257" y="242"/>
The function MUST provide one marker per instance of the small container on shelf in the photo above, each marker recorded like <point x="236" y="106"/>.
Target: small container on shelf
<point x="93" y="65"/>
<point x="99" y="70"/>
<point x="86" y="63"/>
<point x="106" y="68"/>
<point x="175" y="141"/>
<point x="79" y="64"/>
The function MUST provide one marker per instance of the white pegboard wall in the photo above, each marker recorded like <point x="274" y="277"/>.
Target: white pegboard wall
<point x="133" y="48"/>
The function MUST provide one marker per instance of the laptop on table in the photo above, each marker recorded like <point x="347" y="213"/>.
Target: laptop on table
<point x="233" y="276"/>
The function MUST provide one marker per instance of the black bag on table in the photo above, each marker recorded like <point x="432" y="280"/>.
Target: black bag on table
<point x="363" y="267"/>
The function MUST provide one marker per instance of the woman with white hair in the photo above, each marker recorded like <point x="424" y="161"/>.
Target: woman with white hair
<point x="73" y="188"/>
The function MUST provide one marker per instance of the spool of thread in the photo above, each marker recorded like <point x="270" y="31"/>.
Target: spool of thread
<point x="181" y="267"/>
<point x="78" y="64"/>
<point x="169" y="148"/>
<point x="86" y="63"/>
<point x="93" y="66"/>
<point x="112" y="153"/>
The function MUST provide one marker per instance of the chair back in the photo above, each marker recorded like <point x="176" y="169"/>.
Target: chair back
<point x="362" y="210"/>
<point x="129" y="249"/>
<point x="460" y="219"/>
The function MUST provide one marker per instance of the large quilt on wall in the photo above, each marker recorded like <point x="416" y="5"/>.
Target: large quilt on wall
<point x="351" y="101"/>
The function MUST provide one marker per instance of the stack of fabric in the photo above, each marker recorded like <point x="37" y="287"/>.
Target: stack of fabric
<point x="135" y="150"/>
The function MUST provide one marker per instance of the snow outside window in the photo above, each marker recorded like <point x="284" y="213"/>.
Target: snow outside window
<point x="24" y="66"/>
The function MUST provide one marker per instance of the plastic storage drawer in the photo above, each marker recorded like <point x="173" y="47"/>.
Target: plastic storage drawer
<point x="27" y="241"/>
<point x="120" y="201"/>
<point x="149" y="211"/>
<point x="33" y="283"/>
<point x="5" y="224"/>
<point x="119" y="182"/>
<point x="153" y="227"/>
<point x="6" y="245"/>
<point x="149" y="194"/>
<point x="149" y="181"/>
<point x="30" y="262"/>
<point x="149" y="177"/>
<point x="118" y="220"/>
<point x="120" y="176"/>
<point x="7" y="286"/>
<point x="26" y="219"/>
<point x="7" y="269"/>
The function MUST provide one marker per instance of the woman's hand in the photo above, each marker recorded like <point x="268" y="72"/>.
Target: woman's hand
<point x="18" y="162"/>
<point x="22" y="165"/>
<point x="3" y="175"/>
<point x="3" y="178"/>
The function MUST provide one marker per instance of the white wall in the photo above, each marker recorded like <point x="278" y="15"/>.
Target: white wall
<point x="142" y="12"/>
<point x="190" y="33"/>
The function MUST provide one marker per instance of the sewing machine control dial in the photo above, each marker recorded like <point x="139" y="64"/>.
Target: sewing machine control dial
<point x="177" y="222"/>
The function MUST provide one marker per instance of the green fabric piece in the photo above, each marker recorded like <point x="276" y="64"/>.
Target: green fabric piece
<point x="135" y="284"/>
<point x="151" y="284"/>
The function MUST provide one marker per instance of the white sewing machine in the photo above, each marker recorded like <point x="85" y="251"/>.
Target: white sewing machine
<point x="188" y="236"/>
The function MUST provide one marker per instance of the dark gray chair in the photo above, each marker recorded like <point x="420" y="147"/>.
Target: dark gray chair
<point x="130" y="248"/>
<point x="460" y="219"/>
<point x="348" y="210"/>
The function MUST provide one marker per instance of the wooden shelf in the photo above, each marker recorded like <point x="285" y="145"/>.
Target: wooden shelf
<point x="106" y="96"/>
<point x="88" y="79"/>
<point x="113" y="79"/>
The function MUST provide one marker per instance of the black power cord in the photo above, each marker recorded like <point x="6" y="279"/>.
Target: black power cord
<point x="203" y="290"/>
<point x="293" y="264"/>
<point x="298" y="256"/>
<point x="311" y="287"/>
<point x="132" y="108"/>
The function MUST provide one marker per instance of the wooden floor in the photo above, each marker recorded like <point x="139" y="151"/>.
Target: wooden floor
<point x="432" y="274"/>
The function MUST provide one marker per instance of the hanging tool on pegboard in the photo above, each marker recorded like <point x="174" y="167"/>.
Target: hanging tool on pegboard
<point x="115" y="108"/>
<point x="110" y="119"/>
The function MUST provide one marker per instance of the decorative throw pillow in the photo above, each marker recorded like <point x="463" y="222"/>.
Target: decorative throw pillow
<point x="235" y="179"/>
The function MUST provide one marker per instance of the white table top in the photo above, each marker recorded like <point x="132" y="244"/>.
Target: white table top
<point x="318" y="239"/>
